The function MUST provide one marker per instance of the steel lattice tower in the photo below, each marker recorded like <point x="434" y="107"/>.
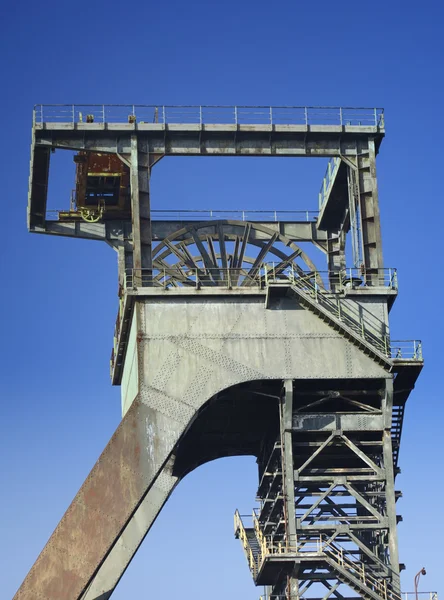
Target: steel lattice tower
<point x="230" y="341"/>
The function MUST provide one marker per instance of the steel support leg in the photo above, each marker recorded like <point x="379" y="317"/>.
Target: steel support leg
<point x="287" y="462"/>
<point x="140" y="210"/>
<point x="133" y="535"/>
<point x="288" y="480"/>
<point x="370" y="217"/>
<point x="390" y="483"/>
<point x="335" y="257"/>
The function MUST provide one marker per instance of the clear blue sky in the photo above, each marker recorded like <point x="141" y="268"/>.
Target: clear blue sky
<point x="59" y="302"/>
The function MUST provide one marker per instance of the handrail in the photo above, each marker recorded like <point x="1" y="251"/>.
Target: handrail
<point x="405" y="596"/>
<point x="312" y="285"/>
<point x="237" y="215"/>
<point x="333" y="305"/>
<point x="239" y="530"/>
<point x="265" y="274"/>
<point x="252" y="216"/>
<point x="421" y="595"/>
<point x="208" y="115"/>
<point x="357" y="569"/>
<point x="406" y="349"/>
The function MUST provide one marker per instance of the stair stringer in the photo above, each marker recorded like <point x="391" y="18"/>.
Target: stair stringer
<point x="310" y="304"/>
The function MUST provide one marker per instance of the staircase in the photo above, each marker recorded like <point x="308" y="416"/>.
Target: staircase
<point x="312" y="297"/>
<point x="250" y="544"/>
<point x="355" y="574"/>
<point x="253" y="544"/>
<point x="396" y="430"/>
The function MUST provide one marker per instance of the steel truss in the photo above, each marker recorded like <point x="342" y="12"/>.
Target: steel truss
<point x="327" y="486"/>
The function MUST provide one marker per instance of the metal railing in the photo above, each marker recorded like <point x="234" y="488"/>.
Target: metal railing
<point x="253" y="216"/>
<point x="358" y="570"/>
<point x="329" y="178"/>
<point x="206" y="114"/>
<point x="313" y="286"/>
<point x="404" y="596"/>
<point x="362" y="323"/>
<point x="321" y="547"/>
<point x="406" y="349"/>
<point x="350" y="278"/>
<point x="235" y="215"/>
<point x="240" y="532"/>
<point x="192" y="278"/>
<point x="419" y="595"/>
<point x="266" y="274"/>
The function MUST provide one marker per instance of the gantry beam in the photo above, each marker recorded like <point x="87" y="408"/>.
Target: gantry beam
<point x="115" y="231"/>
<point x="190" y="139"/>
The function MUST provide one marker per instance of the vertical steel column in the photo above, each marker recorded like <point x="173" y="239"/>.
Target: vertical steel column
<point x="286" y="424"/>
<point x="369" y="208"/>
<point x="287" y="461"/>
<point x="121" y="266"/>
<point x="354" y="212"/>
<point x="390" y="499"/>
<point x="140" y="210"/>
<point x="335" y="257"/>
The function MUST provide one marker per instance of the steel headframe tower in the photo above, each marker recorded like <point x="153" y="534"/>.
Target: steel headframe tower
<point x="229" y="341"/>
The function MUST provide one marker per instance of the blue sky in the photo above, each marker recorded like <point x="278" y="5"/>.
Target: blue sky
<point x="59" y="300"/>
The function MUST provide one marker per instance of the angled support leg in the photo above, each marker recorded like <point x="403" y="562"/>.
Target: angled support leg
<point x="104" y="507"/>
<point x="118" y="560"/>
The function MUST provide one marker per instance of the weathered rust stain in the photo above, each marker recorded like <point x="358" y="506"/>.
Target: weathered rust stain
<point x="99" y="512"/>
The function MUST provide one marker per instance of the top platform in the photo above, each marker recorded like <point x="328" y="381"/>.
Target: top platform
<point x="280" y="131"/>
<point x="149" y="115"/>
<point x="209" y="130"/>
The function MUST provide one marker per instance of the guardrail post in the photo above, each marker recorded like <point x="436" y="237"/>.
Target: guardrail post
<point x="73" y="114"/>
<point x="200" y="114"/>
<point x="340" y="116"/>
<point x="163" y="115"/>
<point x="103" y="113"/>
<point x="271" y="115"/>
<point x="235" y="115"/>
<point x="386" y="348"/>
<point x="306" y="116"/>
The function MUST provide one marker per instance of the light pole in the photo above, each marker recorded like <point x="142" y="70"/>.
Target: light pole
<point x="417" y="576"/>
